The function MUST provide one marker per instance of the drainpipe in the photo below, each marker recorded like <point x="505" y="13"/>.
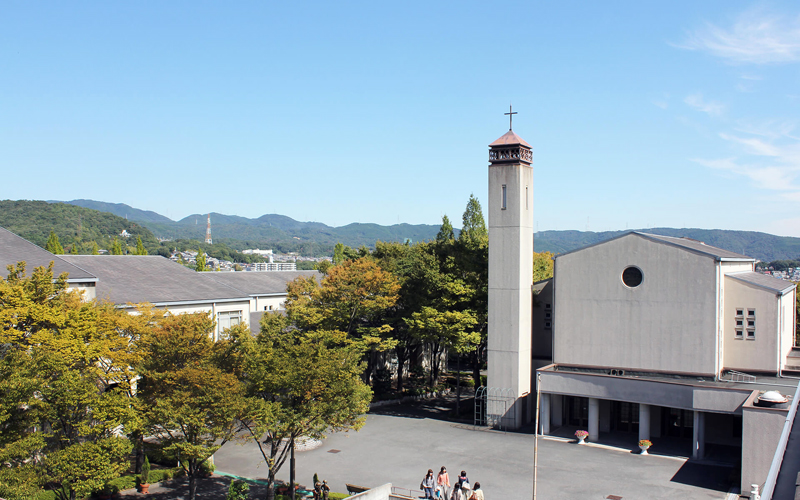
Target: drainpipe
<point x="781" y="355"/>
<point x="717" y="306"/>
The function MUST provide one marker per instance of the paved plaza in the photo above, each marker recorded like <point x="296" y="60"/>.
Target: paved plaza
<point x="399" y="444"/>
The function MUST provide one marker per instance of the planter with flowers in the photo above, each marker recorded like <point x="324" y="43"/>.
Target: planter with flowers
<point x="581" y="435"/>
<point x="643" y="445"/>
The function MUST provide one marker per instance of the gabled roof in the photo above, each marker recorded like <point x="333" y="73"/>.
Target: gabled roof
<point x="685" y="243"/>
<point x="15" y="249"/>
<point x="770" y="283"/>
<point x="698" y="246"/>
<point x="260" y="282"/>
<point x="151" y="278"/>
<point x="509" y="139"/>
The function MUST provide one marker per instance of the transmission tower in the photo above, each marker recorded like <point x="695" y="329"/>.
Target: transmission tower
<point x="208" y="230"/>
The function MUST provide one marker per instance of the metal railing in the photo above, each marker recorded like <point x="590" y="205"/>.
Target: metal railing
<point x="406" y="493"/>
<point x="734" y="376"/>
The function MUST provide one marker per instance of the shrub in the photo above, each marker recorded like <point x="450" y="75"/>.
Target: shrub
<point x="145" y="477"/>
<point x="207" y="467"/>
<point x="337" y="496"/>
<point x="238" y="490"/>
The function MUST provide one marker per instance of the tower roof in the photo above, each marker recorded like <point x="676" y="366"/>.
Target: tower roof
<point x="509" y="139"/>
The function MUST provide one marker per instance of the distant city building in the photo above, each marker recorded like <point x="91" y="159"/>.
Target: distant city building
<point x="125" y="233"/>
<point x="256" y="251"/>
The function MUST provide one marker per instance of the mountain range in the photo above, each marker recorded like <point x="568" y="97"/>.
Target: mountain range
<point x="285" y="234"/>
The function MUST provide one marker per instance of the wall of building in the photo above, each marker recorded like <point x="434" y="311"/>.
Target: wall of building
<point x="673" y="395"/>
<point x="89" y="290"/>
<point x="666" y="324"/>
<point x="216" y="308"/>
<point x="268" y="303"/>
<point x="382" y="492"/>
<point x="761" y="431"/>
<point x="760" y="353"/>
<point x="510" y="281"/>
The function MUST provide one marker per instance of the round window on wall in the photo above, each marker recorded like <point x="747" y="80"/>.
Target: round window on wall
<point x="632" y="277"/>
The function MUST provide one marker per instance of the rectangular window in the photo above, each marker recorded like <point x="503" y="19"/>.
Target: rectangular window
<point x="503" y="207"/>
<point x="751" y="323"/>
<point x="547" y="306"/>
<point x="227" y="319"/>
<point x="739" y="333"/>
<point x="547" y="315"/>
<point x="740" y="312"/>
<point x="526" y="197"/>
<point x="751" y="334"/>
<point x="547" y="325"/>
<point x="751" y="313"/>
<point x="739" y="322"/>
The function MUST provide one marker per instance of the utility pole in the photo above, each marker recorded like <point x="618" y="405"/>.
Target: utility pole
<point x="291" y="469"/>
<point x="536" y="436"/>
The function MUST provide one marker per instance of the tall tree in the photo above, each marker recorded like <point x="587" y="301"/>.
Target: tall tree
<point x="473" y="231"/>
<point x="192" y="406"/>
<point x="53" y="246"/>
<point x="54" y="401"/>
<point x="307" y="383"/>
<point x="445" y="231"/>
<point x="140" y="249"/>
<point x="116" y="247"/>
<point x="95" y="248"/>
<point x="200" y="262"/>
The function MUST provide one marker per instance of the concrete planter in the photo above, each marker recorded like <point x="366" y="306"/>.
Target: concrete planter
<point x="644" y="450"/>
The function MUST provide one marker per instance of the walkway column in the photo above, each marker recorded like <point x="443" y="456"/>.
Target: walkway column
<point x="644" y="421"/>
<point x="699" y="435"/>
<point x="594" y="419"/>
<point x="557" y="405"/>
<point x="544" y="413"/>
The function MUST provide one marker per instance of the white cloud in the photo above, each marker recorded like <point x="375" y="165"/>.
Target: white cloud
<point x="661" y="104"/>
<point x="696" y="101"/>
<point x="755" y="38"/>
<point x="771" y="157"/>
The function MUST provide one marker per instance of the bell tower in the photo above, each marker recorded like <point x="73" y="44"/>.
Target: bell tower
<point x="510" y="278"/>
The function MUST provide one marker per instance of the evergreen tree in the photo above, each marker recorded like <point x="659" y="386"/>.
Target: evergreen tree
<point x="473" y="232"/>
<point x="116" y="247"/>
<point x="95" y="248"/>
<point x="53" y="246"/>
<point x="446" y="231"/>
<point x="140" y="249"/>
<point x="201" y="261"/>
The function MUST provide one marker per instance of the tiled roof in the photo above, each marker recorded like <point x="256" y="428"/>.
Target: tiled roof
<point x="151" y="278"/>
<point x="697" y="246"/>
<point x="260" y="282"/>
<point x="15" y="249"/>
<point x="763" y="281"/>
<point x="509" y="139"/>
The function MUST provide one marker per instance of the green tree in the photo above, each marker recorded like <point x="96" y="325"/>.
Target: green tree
<point x="306" y="383"/>
<point x="56" y="401"/>
<point x="140" y="249"/>
<point x="542" y="265"/>
<point x="200" y="265"/>
<point x="323" y="266"/>
<point x="53" y="246"/>
<point x="473" y="232"/>
<point x="74" y="249"/>
<point x="116" y="247"/>
<point x="445" y="231"/>
<point x="95" y="248"/>
<point x="192" y="406"/>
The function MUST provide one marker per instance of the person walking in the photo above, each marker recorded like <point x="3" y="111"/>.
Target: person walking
<point x="477" y="492"/>
<point x="466" y="488"/>
<point x="443" y="482"/>
<point x="457" y="494"/>
<point x="427" y="484"/>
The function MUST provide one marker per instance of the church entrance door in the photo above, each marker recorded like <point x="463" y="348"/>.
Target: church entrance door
<point x="624" y="417"/>
<point x="576" y="411"/>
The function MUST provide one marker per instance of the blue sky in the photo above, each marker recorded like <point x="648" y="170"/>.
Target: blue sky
<point x="682" y="114"/>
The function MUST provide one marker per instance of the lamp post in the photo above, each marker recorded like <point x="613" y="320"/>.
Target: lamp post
<point x="291" y="469"/>
<point x="536" y="437"/>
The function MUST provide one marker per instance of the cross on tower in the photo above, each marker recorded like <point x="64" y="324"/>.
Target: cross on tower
<point x="510" y="116"/>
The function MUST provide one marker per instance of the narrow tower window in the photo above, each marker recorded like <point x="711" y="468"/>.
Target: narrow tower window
<point x="526" y="197"/>
<point x="504" y="198"/>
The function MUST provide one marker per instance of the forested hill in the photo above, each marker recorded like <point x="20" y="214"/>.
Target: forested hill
<point x="33" y="220"/>
<point x="762" y="246"/>
<point x="285" y="234"/>
<point x="279" y="232"/>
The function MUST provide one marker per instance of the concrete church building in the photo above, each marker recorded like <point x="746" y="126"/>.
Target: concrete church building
<point x="638" y="337"/>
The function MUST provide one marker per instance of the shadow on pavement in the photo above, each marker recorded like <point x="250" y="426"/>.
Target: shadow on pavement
<point x="441" y="408"/>
<point x="212" y="487"/>
<point x="712" y="477"/>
